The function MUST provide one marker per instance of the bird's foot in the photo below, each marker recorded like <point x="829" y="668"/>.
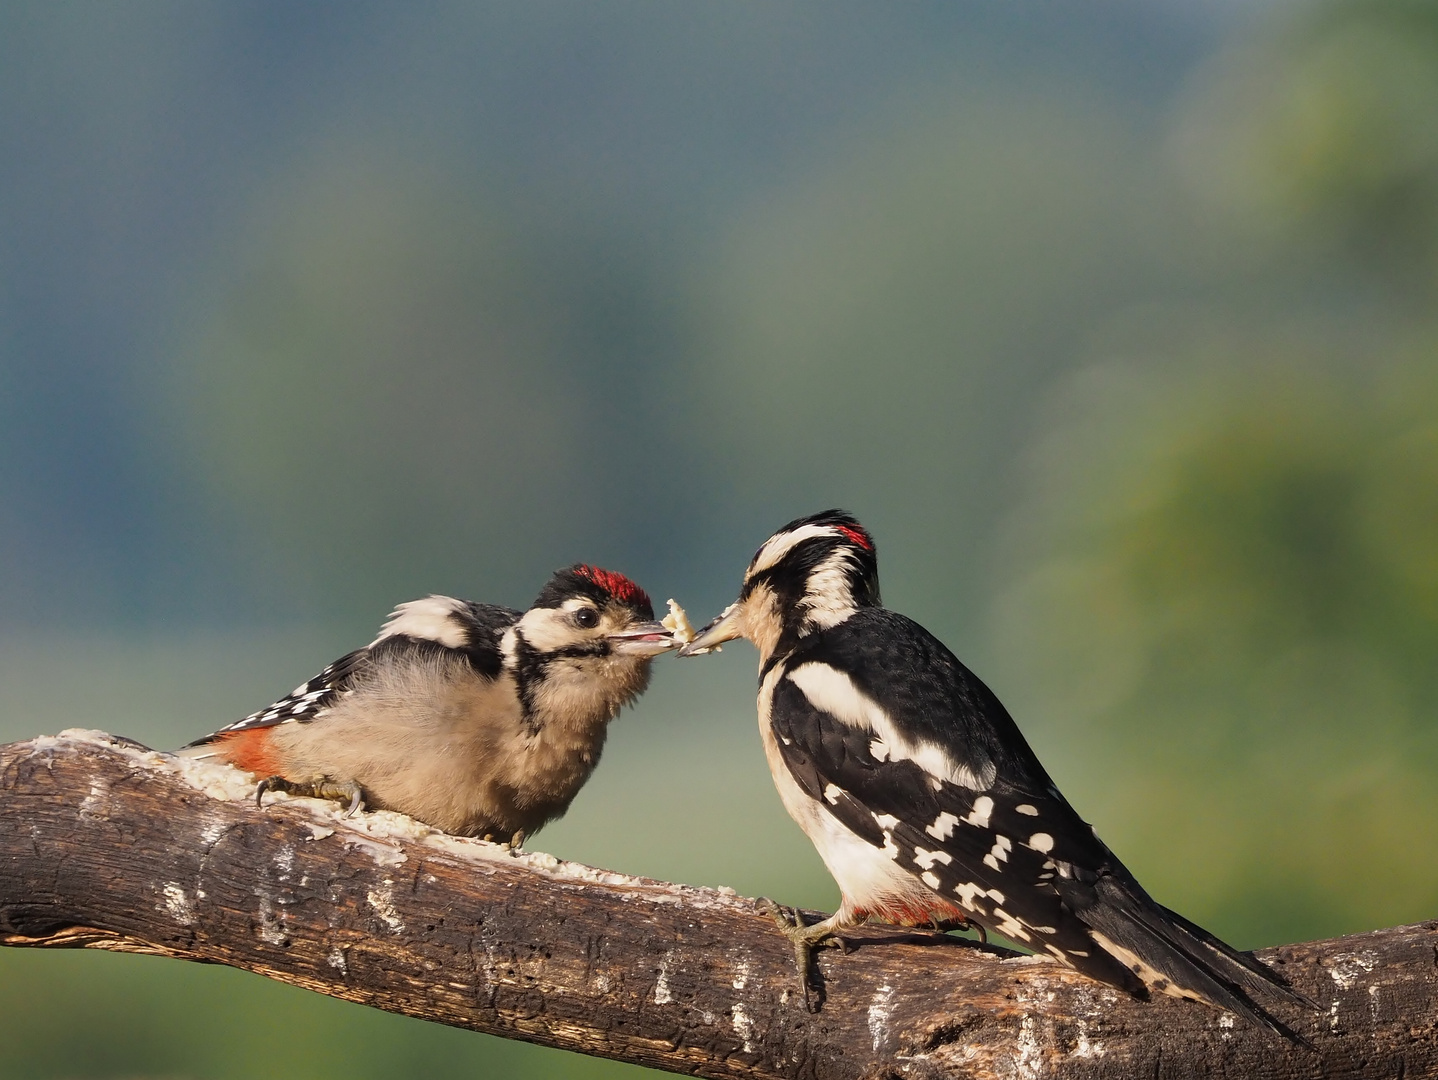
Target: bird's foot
<point x="512" y="845"/>
<point x="345" y="791"/>
<point x="805" y="940"/>
<point x="943" y="926"/>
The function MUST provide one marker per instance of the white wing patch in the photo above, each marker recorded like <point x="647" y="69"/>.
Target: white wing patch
<point x="979" y="815"/>
<point x="830" y="690"/>
<point x="943" y="826"/>
<point x="1009" y="926"/>
<point x="430" y="619"/>
<point x="925" y="859"/>
<point x="968" y="894"/>
<point x="999" y="852"/>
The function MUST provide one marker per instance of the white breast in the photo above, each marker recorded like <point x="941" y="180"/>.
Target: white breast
<point x="868" y="876"/>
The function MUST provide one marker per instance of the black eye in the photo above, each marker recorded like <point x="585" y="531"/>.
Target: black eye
<point x="587" y="617"/>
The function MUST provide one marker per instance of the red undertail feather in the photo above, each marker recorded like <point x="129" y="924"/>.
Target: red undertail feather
<point x="250" y="750"/>
<point x="908" y="913"/>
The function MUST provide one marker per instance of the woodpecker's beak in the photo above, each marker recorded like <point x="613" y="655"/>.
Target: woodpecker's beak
<point x="723" y="627"/>
<point x="643" y="639"/>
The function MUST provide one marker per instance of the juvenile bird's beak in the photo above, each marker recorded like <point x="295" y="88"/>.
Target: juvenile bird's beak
<point x="644" y="639"/>
<point x="723" y="627"/>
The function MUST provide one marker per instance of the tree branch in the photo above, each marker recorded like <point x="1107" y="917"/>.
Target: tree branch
<point x="106" y="845"/>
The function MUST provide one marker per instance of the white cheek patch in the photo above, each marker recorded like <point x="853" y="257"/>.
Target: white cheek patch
<point x="776" y="547"/>
<point x="833" y="692"/>
<point x="547" y="629"/>
<point x="435" y="618"/>
<point x="761" y="621"/>
<point x="828" y="595"/>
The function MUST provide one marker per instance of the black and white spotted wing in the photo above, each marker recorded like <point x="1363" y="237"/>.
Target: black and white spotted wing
<point x="479" y="626"/>
<point x="304" y="702"/>
<point x="876" y="719"/>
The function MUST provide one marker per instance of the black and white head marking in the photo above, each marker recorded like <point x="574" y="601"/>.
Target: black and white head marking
<point x="577" y="621"/>
<point x="811" y="575"/>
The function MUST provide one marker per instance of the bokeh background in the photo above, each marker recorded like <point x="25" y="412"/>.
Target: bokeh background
<point x="1117" y="323"/>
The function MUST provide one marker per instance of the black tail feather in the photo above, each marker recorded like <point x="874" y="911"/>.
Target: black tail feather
<point x="1247" y="963"/>
<point x="1189" y="956"/>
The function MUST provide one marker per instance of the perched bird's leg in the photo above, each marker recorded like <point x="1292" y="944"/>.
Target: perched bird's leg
<point x="517" y="840"/>
<point x="805" y="939"/>
<point x="321" y="788"/>
<point x="943" y="926"/>
<point x="342" y="790"/>
<point x="275" y="783"/>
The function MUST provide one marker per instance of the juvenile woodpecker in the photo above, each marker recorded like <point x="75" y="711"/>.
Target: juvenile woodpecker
<point x="921" y="795"/>
<point x="477" y="719"/>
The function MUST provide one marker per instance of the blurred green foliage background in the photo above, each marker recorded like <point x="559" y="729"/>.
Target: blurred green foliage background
<point x="1118" y="326"/>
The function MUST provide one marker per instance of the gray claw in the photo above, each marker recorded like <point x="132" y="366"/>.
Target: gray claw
<point x="269" y="783"/>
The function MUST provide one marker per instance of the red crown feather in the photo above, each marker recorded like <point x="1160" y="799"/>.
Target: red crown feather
<point x="616" y="585"/>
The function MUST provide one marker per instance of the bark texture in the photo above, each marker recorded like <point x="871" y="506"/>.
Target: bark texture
<point x="107" y="845"/>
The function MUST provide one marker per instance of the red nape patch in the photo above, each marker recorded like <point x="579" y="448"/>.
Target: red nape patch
<point x="859" y="536"/>
<point x="616" y="585"/>
<point x="251" y="750"/>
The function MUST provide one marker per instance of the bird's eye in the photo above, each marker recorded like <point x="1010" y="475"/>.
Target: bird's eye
<point x="587" y="617"/>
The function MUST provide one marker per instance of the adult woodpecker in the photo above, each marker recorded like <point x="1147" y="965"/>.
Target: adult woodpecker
<point x="923" y="798"/>
<point x="477" y="719"/>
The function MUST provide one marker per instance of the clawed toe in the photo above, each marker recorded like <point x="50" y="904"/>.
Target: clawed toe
<point x="784" y="919"/>
<point x="272" y="783"/>
<point x="346" y="791"/>
<point x="805" y="940"/>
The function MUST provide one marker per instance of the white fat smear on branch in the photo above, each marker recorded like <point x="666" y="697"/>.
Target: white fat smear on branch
<point x="382" y="835"/>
